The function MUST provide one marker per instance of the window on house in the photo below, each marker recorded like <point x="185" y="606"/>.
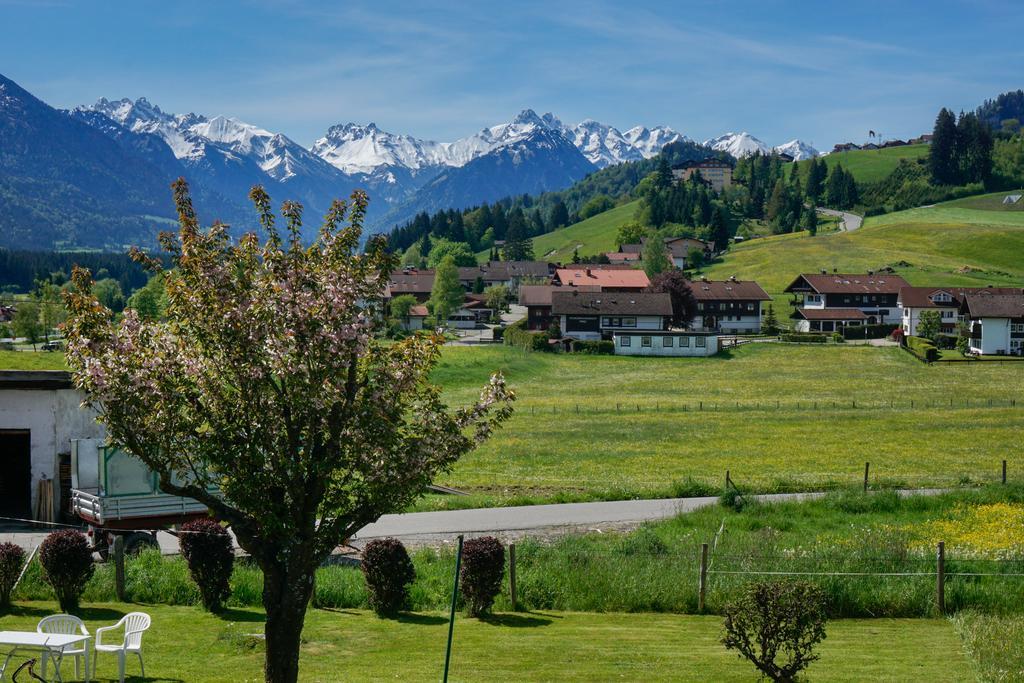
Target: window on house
<point x="701" y="342"/>
<point x="625" y="340"/>
<point x="645" y="342"/>
<point x="846" y="299"/>
<point x="666" y="342"/>
<point x="684" y="342"/>
<point x="750" y="306"/>
<point x="700" y="306"/>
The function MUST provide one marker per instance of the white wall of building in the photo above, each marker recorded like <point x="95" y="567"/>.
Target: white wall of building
<point x="995" y="337"/>
<point x="53" y="418"/>
<point x="665" y="345"/>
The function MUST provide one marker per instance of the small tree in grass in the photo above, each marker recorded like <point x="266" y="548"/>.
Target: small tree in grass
<point x="483" y="567"/>
<point x="264" y="382"/>
<point x="388" y="572"/>
<point x="12" y="558"/>
<point x="67" y="566"/>
<point x="771" y="323"/>
<point x="206" y="547"/>
<point x="775" y="625"/>
<point x="929" y="325"/>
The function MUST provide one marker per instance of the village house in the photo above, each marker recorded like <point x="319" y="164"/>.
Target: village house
<point x="40" y="413"/>
<point x="418" y="283"/>
<point x="608" y="279"/>
<point x="732" y="305"/>
<point x="831" y="301"/>
<point x="537" y="301"/>
<point x="996" y="322"/>
<point x="947" y="301"/>
<point x="664" y="343"/>
<point x="597" y="315"/>
<point x="715" y="172"/>
<point x="508" y="273"/>
<point x="678" y="248"/>
<point x="414" y="321"/>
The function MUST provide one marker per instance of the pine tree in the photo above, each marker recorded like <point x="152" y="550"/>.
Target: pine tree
<point x="720" y="227"/>
<point x="559" y="215"/>
<point x="425" y="245"/>
<point x="771" y="323"/>
<point x="663" y="179"/>
<point x="810" y="220"/>
<point x="518" y="245"/>
<point x="942" y="153"/>
<point x="835" y="187"/>
<point x="816" y="171"/>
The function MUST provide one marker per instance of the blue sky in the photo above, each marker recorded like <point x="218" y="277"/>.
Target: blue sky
<point x="822" y="71"/>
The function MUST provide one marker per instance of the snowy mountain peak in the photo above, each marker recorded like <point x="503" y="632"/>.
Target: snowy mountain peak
<point x="528" y="116"/>
<point x="738" y="144"/>
<point x="798" y="149"/>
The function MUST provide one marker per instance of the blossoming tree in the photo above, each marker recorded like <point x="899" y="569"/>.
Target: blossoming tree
<point x="263" y="395"/>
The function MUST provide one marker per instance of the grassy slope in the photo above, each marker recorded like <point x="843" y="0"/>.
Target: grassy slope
<point x="187" y="644"/>
<point x="595" y="235"/>
<point x="27" y="360"/>
<point x="936" y="242"/>
<point x="872" y="165"/>
<point x="548" y="450"/>
<point x="989" y="202"/>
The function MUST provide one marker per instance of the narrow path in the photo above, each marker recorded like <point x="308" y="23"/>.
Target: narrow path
<point x="849" y="221"/>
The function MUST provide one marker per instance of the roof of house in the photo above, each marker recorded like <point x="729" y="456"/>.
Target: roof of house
<point x="505" y="270"/>
<point x="679" y="247"/>
<point x="831" y="314"/>
<point x="921" y="297"/>
<point x="35" y="379"/>
<point x="847" y="283"/>
<point x="622" y="257"/>
<point x="540" y="295"/>
<point x="631" y="249"/>
<point x="411" y="282"/>
<point x="710" y="290"/>
<point x="603" y="277"/>
<point x="985" y="305"/>
<point x="575" y="302"/>
<point x="418" y="311"/>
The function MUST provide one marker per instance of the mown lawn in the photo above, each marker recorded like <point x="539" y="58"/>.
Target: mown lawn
<point x="596" y="235"/>
<point x="869" y="165"/>
<point x="32" y="360"/>
<point x="777" y="417"/>
<point x="185" y="644"/>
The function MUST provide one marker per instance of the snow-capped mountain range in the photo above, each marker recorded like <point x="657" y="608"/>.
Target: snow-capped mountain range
<point x="744" y="144"/>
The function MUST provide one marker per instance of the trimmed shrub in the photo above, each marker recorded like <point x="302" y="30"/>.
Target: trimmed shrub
<point x="12" y="557"/>
<point x="206" y="547"/>
<point x="483" y="567"/>
<point x="600" y="347"/>
<point x="67" y="566"/>
<point x="517" y="335"/>
<point x="777" y="620"/>
<point x="922" y="348"/>
<point x="388" y="572"/>
<point x="805" y="337"/>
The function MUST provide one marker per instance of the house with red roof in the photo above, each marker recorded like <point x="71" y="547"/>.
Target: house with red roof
<point x="607" y="279"/>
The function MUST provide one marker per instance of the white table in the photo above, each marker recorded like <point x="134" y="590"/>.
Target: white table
<point x="49" y="644"/>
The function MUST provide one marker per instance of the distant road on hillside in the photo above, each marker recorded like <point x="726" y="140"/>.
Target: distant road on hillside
<point x="848" y="221"/>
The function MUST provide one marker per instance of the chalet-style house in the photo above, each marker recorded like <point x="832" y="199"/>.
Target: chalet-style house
<point x="947" y="301"/>
<point x="411" y="281"/>
<point x="537" y="301"/>
<point x="414" y="321"/>
<point x="678" y="248"/>
<point x="608" y="279"/>
<point x="996" y="322"/>
<point x="715" y="172"/>
<point x="508" y="273"/>
<point x="597" y="315"/>
<point x="731" y="305"/>
<point x="664" y="343"/>
<point x="831" y="301"/>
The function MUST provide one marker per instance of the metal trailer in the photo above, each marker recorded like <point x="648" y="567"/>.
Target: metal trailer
<point x="117" y="495"/>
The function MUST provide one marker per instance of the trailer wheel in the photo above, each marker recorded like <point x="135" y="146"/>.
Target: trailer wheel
<point x="139" y="541"/>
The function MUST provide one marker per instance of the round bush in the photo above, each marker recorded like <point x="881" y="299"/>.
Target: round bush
<point x="67" y="565"/>
<point x="206" y="547"/>
<point x="12" y="557"/>
<point x="388" y="572"/>
<point x="483" y="567"/>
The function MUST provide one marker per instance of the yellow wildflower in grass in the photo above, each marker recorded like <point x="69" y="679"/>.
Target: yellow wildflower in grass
<point x="993" y="531"/>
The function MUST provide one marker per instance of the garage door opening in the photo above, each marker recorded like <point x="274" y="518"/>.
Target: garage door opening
<point x="15" y="474"/>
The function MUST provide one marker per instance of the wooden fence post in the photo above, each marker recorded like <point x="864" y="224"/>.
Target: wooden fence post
<point x="940" y="577"/>
<point x="512" y="574"/>
<point x="119" y="567"/>
<point x="702" y="584"/>
<point x="867" y="469"/>
<point x="727" y="479"/>
<point x="1004" y="471"/>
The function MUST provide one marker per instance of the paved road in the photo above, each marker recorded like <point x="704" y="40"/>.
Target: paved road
<point x="433" y="527"/>
<point x="849" y="222"/>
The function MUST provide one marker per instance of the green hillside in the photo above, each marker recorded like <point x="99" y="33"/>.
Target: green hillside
<point x="947" y="244"/>
<point x="595" y="235"/>
<point x="872" y="165"/>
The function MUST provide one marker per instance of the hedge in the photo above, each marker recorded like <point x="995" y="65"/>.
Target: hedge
<point x="878" y="331"/>
<point x="922" y="348"/>
<point x="517" y="335"/>
<point x="805" y="337"/>
<point x="599" y="347"/>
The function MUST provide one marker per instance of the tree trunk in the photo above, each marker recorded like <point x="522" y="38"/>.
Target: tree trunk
<point x="287" y="588"/>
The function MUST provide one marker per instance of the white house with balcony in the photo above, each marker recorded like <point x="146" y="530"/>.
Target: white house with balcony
<point x="996" y="322"/>
<point x="946" y="301"/>
<point x="830" y="298"/>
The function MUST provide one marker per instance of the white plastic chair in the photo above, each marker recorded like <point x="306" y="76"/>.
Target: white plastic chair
<point x="134" y="624"/>
<point x="68" y="625"/>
